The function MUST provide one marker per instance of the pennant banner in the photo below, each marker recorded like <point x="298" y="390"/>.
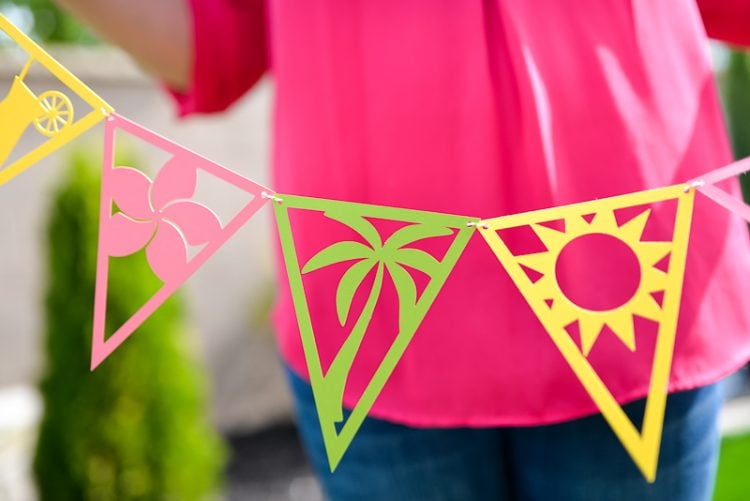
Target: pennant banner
<point x="707" y="185"/>
<point x="388" y="259"/>
<point x="655" y="296"/>
<point x="161" y="218"/>
<point x="51" y="114"/>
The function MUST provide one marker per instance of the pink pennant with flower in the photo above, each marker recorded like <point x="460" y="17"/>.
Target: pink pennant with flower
<point x="162" y="217"/>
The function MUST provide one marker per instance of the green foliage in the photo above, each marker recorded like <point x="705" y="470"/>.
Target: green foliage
<point x="135" y="429"/>
<point x="737" y="98"/>
<point x="51" y="24"/>
<point x="733" y="482"/>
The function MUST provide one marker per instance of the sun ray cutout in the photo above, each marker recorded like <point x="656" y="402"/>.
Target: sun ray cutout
<point x="556" y="311"/>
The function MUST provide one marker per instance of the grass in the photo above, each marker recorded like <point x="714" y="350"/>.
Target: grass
<point x="733" y="482"/>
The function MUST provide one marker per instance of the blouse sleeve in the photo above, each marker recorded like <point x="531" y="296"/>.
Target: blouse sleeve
<point x="727" y="20"/>
<point x="229" y="54"/>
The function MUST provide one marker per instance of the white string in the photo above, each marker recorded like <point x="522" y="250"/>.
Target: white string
<point x="268" y="196"/>
<point x="479" y="224"/>
<point x="694" y="184"/>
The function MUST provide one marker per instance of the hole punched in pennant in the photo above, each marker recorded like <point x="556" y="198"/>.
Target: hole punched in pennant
<point x="271" y="197"/>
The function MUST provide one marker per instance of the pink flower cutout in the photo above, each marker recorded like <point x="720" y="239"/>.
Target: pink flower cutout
<point x="160" y="216"/>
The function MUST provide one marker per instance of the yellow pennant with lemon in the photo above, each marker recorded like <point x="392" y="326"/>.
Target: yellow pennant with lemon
<point x="49" y="117"/>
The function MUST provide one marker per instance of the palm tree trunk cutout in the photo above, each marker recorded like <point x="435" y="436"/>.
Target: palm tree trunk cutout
<point x="335" y="379"/>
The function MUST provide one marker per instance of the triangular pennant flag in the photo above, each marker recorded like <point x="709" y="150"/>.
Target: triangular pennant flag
<point x="706" y="184"/>
<point x="388" y="259"/>
<point x="556" y="310"/>
<point x="50" y="113"/>
<point x="162" y="217"/>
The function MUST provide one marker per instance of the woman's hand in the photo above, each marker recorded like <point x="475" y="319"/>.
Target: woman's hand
<point x="157" y="33"/>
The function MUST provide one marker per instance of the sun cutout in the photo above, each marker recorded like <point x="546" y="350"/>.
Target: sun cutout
<point x="565" y="308"/>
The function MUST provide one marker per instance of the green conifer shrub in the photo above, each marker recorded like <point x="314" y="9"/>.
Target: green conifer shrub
<point x="136" y="428"/>
<point x="737" y="97"/>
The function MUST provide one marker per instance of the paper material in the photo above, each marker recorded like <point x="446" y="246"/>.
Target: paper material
<point x="160" y="216"/>
<point x="721" y="197"/>
<point x="555" y="310"/>
<point x="50" y="113"/>
<point x="388" y="259"/>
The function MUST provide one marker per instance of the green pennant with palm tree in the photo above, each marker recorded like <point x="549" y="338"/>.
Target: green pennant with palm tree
<point x="389" y="258"/>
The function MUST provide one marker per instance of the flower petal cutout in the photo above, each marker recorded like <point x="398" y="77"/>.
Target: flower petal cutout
<point x="126" y="235"/>
<point x="198" y="223"/>
<point x="167" y="253"/>
<point x="177" y="179"/>
<point x="130" y="188"/>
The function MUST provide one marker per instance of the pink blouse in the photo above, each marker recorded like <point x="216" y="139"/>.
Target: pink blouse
<point x="487" y="108"/>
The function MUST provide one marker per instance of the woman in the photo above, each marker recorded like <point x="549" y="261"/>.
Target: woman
<point x="484" y="107"/>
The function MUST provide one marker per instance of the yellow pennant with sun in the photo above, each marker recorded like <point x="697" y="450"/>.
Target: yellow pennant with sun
<point x="48" y="116"/>
<point x="556" y="310"/>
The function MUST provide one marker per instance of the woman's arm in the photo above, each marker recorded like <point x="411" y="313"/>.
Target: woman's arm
<point x="157" y="33"/>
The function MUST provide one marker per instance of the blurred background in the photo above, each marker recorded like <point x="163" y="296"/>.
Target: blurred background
<point x="228" y="412"/>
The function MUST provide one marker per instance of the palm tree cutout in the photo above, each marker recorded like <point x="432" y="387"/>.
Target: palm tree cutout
<point x="389" y="258"/>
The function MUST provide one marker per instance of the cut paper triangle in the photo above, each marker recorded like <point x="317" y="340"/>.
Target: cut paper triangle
<point x="532" y="274"/>
<point x="658" y="297"/>
<point x="388" y="258"/>
<point x="160" y="217"/>
<point x="50" y="112"/>
<point x="663" y="264"/>
<point x="706" y="184"/>
<point x="642" y="445"/>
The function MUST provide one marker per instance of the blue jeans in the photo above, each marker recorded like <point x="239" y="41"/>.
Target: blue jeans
<point x="577" y="460"/>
